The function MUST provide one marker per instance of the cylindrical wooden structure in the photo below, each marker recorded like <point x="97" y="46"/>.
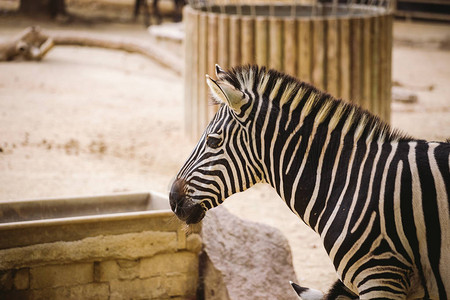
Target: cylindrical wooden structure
<point x="344" y="51"/>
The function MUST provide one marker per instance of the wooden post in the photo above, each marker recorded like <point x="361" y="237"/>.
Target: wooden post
<point x="332" y="59"/>
<point x="318" y="54"/>
<point x="388" y="49"/>
<point x="383" y="68"/>
<point x="262" y="41"/>
<point x="189" y="67"/>
<point x="290" y="46"/>
<point x="304" y="50"/>
<point x="247" y="40"/>
<point x="276" y="43"/>
<point x="213" y="47"/>
<point x="235" y="40"/>
<point x="345" y="58"/>
<point x="223" y="41"/>
<point x="367" y="65"/>
<point x="376" y="87"/>
<point x="355" y="29"/>
<point x="202" y="69"/>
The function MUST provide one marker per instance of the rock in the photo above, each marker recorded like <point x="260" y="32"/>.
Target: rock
<point x="244" y="260"/>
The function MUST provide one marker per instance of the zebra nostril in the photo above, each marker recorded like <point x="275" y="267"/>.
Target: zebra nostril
<point x="175" y="200"/>
<point x="176" y="195"/>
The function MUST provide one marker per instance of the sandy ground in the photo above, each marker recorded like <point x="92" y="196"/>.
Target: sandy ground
<point x="92" y="121"/>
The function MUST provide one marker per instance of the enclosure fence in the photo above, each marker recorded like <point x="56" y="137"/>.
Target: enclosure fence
<point x="342" y="47"/>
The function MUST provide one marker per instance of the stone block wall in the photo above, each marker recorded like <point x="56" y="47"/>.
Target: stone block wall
<point x="136" y="265"/>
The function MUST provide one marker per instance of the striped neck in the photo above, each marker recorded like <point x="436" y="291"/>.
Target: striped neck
<point x="300" y="130"/>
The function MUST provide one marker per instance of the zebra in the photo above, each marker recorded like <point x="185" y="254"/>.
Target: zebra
<point x="378" y="198"/>
<point x="337" y="291"/>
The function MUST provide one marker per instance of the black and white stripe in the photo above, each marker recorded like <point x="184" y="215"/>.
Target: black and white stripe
<point x="378" y="199"/>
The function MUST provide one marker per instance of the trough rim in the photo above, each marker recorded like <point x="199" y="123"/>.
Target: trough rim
<point x="364" y="11"/>
<point x="86" y="219"/>
<point x="134" y="215"/>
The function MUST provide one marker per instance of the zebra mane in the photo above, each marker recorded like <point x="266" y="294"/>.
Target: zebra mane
<point x="296" y="93"/>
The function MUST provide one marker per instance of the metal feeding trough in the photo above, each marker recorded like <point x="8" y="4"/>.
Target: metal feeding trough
<point x="342" y="47"/>
<point x="103" y="247"/>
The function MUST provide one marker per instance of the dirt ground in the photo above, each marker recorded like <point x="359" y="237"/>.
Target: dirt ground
<point x="91" y="121"/>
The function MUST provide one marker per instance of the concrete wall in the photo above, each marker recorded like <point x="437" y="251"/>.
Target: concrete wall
<point x="137" y="255"/>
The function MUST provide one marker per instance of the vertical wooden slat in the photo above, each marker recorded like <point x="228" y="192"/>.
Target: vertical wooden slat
<point x="202" y="69"/>
<point x="247" y="40"/>
<point x="355" y="25"/>
<point x="332" y="57"/>
<point x="262" y="41"/>
<point x="382" y="74"/>
<point x="213" y="42"/>
<point x="367" y="63"/>
<point x="389" y="38"/>
<point x="235" y="40"/>
<point x="304" y="63"/>
<point x="188" y="66"/>
<point x="213" y="45"/>
<point x="223" y="41"/>
<point x="192" y="103"/>
<point x="376" y="65"/>
<point x="290" y="46"/>
<point x="276" y="43"/>
<point x="318" y="54"/>
<point x="345" y="59"/>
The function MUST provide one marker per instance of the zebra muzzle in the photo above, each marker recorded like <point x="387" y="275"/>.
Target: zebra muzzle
<point x="183" y="207"/>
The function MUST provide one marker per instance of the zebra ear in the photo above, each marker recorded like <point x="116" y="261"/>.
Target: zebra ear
<point x="225" y="93"/>
<point x="219" y="70"/>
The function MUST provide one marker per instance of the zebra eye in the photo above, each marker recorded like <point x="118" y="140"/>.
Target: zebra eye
<point x="213" y="140"/>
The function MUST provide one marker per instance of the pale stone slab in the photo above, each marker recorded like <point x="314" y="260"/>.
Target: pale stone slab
<point x="182" y="262"/>
<point x="22" y="279"/>
<point x="61" y="275"/>
<point x="91" y="291"/>
<point x="124" y="246"/>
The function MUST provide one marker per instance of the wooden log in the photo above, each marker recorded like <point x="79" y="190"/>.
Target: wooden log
<point x="262" y="41"/>
<point x="345" y="59"/>
<point x="318" y="54"/>
<point x="304" y="50"/>
<point x="30" y="44"/>
<point x="131" y="45"/>
<point x="235" y="40"/>
<point x="290" y="46"/>
<point x="276" y="43"/>
<point x="223" y="41"/>
<point x="332" y="59"/>
<point x="247" y="40"/>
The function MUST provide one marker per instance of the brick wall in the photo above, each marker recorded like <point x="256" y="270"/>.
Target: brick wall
<point x="148" y="264"/>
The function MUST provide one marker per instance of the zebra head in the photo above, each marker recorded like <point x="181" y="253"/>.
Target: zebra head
<point x="223" y="162"/>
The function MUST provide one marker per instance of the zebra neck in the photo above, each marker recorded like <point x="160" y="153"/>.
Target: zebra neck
<point x="306" y="164"/>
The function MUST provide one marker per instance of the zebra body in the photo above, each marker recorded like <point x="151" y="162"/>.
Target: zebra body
<point x="378" y="199"/>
